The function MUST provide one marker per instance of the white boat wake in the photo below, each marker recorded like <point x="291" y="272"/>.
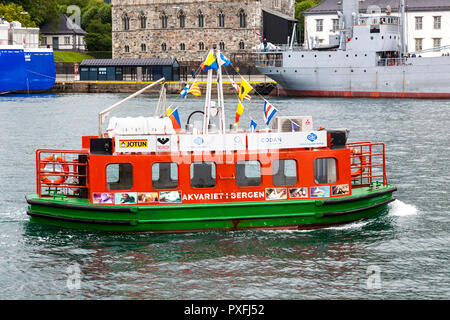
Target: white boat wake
<point x="401" y="209"/>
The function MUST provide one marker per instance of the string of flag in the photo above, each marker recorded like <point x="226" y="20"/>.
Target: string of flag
<point x="242" y="91"/>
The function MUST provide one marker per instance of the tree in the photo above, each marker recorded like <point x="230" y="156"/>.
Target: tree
<point x="40" y="11"/>
<point x="14" y="12"/>
<point x="300" y="7"/>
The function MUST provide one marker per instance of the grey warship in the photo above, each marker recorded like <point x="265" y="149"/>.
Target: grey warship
<point x="368" y="58"/>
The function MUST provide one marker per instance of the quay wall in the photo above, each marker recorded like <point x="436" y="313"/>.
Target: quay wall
<point x="175" y="87"/>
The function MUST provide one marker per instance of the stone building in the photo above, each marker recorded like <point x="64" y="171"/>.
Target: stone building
<point x="187" y="29"/>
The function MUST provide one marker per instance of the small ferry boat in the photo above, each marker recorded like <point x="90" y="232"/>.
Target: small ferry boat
<point x="148" y="174"/>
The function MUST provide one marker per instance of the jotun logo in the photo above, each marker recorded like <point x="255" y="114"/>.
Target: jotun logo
<point x="124" y="144"/>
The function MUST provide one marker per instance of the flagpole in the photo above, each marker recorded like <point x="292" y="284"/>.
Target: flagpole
<point x="220" y="99"/>
<point x="207" y="103"/>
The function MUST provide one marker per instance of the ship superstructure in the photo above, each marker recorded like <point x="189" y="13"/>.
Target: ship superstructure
<point x="368" y="58"/>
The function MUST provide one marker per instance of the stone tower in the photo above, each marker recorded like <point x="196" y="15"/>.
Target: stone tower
<point x="187" y="29"/>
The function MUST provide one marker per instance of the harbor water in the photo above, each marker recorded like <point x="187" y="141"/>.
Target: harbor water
<point x="402" y="253"/>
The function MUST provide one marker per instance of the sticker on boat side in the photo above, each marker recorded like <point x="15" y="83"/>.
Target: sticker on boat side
<point x="340" y="189"/>
<point x="298" y="193"/>
<point x="103" y="198"/>
<point x="147" y="197"/>
<point x="320" y="192"/>
<point x="170" y="196"/>
<point x="126" y="198"/>
<point x="276" y="194"/>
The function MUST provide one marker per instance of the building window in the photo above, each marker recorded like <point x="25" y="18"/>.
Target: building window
<point x="248" y="173"/>
<point x="119" y="176"/>
<point x="241" y="45"/>
<point x="325" y="170"/>
<point x="436" y="44"/>
<point x="222" y="45"/>
<point x="437" y="22"/>
<point x="125" y="22"/>
<point x="284" y="172"/>
<point x="201" y="19"/>
<point x="201" y="46"/>
<point x="164" y="47"/>
<point x="182" y="19"/>
<point x="127" y="48"/>
<point x="242" y="19"/>
<point x="182" y="46"/>
<point x="419" y="44"/>
<point x="319" y="25"/>
<point x="66" y="40"/>
<point x="335" y="25"/>
<point x="163" y="20"/>
<point x="143" y="47"/>
<point x="418" y="23"/>
<point x="165" y="175"/>
<point x="276" y="3"/>
<point x="221" y="19"/>
<point x="44" y="41"/>
<point x="143" y="20"/>
<point x="203" y="174"/>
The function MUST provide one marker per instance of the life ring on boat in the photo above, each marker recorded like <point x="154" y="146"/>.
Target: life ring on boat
<point x="362" y="159"/>
<point x="59" y="161"/>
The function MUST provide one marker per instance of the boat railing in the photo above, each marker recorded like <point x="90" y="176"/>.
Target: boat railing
<point x="61" y="173"/>
<point x="369" y="160"/>
<point x="269" y="60"/>
<point x="387" y="62"/>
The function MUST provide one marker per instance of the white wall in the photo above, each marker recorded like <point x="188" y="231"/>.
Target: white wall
<point x="427" y="33"/>
<point x="47" y="41"/>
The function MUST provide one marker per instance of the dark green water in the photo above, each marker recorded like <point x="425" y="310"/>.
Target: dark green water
<point x="401" y="254"/>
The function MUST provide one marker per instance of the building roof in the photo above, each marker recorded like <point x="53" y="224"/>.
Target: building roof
<point x="279" y="14"/>
<point x="63" y="26"/>
<point x="128" y="62"/>
<point x="331" y="6"/>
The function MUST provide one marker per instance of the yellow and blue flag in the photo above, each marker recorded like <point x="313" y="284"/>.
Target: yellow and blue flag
<point x="209" y="63"/>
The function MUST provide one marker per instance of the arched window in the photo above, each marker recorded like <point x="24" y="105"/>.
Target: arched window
<point x="164" y="47"/>
<point x="126" y="22"/>
<point x="143" y="47"/>
<point x="221" y="45"/>
<point x="242" y="19"/>
<point x="182" y="18"/>
<point x="182" y="46"/>
<point x="221" y="19"/>
<point x="241" y="45"/>
<point x="201" y="46"/>
<point x="201" y="19"/>
<point x="127" y="48"/>
<point x="143" y="20"/>
<point x="163" y="20"/>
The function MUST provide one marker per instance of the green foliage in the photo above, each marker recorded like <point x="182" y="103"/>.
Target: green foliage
<point x="40" y="11"/>
<point x="14" y="12"/>
<point x="300" y="7"/>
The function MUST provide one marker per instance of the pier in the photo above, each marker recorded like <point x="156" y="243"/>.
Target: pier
<point x="263" y="86"/>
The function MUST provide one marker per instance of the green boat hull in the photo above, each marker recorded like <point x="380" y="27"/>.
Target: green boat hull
<point x="287" y="214"/>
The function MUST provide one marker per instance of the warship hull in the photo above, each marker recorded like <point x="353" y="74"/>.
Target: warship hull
<point x="418" y="78"/>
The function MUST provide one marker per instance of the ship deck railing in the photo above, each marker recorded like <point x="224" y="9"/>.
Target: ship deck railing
<point x="52" y="164"/>
<point x="373" y="166"/>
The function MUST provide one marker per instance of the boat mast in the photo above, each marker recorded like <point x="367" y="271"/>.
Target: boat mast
<point x="220" y="102"/>
<point x="207" y="109"/>
<point x="403" y="18"/>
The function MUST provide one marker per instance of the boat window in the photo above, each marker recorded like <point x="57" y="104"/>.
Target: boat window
<point x="248" y="173"/>
<point x="165" y="175"/>
<point x="325" y="170"/>
<point x="119" y="176"/>
<point x="284" y="172"/>
<point x="203" y="174"/>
